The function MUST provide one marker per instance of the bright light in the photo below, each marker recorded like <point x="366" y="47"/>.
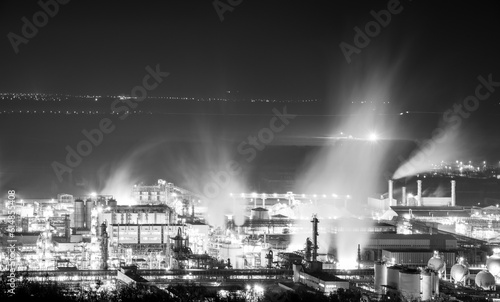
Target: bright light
<point x="373" y="136"/>
<point x="93" y="194"/>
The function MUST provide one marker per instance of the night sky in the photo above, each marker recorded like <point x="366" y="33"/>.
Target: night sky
<point x="427" y="58"/>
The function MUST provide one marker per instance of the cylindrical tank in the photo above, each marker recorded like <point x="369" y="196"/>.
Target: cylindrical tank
<point x="409" y="283"/>
<point x="485" y="280"/>
<point x="88" y="213"/>
<point x="393" y="276"/>
<point x="459" y="273"/>
<point x="493" y="263"/>
<point x="79" y="215"/>
<point x="240" y="262"/>
<point x="380" y="275"/>
<point x="426" y="285"/>
<point x="259" y="214"/>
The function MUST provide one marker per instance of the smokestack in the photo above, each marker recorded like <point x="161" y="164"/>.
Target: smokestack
<point x="390" y="192"/>
<point x="315" y="234"/>
<point x="403" y="197"/>
<point x="453" y="195"/>
<point x="104" y="247"/>
<point x="359" y="256"/>
<point x="419" y="192"/>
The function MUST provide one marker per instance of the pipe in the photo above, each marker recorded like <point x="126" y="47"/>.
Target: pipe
<point x="403" y="193"/>
<point x="390" y="192"/>
<point x="419" y="192"/>
<point x="453" y="193"/>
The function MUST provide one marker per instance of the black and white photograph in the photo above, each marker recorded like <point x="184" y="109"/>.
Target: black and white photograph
<point x="236" y="150"/>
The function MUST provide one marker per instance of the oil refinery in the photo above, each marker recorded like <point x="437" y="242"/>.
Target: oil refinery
<point x="418" y="246"/>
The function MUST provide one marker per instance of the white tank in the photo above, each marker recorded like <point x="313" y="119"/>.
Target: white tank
<point x="240" y="262"/>
<point x="409" y="283"/>
<point x="426" y="286"/>
<point x="437" y="264"/>
<point x="380" y="275"/>
<point x="493" y="263"/>
<point x="459" y="273"/>
<point x="485" y="280"/>
<point x="393" y="276"/>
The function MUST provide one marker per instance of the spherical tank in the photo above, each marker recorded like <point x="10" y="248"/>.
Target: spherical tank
<point x="437" y="264"/>
<point x="459" y="273"/>
<point x="485" y="279"/>
<point x="493" y="265"/>
<point x="409" y="283"/>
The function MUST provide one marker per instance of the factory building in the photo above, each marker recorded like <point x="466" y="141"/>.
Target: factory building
<point x="162" y="193"/>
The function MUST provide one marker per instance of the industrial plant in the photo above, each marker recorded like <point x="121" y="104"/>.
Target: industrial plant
<point x="420" y="247"/>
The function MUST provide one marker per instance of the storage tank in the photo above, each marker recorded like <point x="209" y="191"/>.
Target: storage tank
<point x="437" y="264"/>
<point x="459" y="273"/>
<point x="409" y="283"/>
<point x="380" y="275"/>
<point x="240" y="262"/>
<point x="493" y="263"/>
<point x="112" y="203"/>
<point x="427" y="285"/>
<point x="79" y="215"/>
<point x="88" y="213"/>
<point x="259" y="214"/>
<point x="485" y="280"/>
<point x="393" y="276"/>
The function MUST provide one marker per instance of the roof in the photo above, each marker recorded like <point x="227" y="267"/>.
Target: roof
<point x="411" y="236"/>
<point x="326" y="276"/>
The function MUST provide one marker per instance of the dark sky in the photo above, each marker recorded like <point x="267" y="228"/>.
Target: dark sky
<point x="277" y="48"/>
<point x="427" y="58"/>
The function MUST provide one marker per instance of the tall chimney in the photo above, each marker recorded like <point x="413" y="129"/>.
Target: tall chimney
<point x="315" y="234"/>
<point x="390" y="192"/>
<point x="403" y="197"/>
<point x="359" y="256"/>
<point x="453" y="195"/>
<point x="419" y="192"/>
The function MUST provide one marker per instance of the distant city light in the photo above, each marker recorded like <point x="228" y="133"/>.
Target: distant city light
<point x="373" y="136"/>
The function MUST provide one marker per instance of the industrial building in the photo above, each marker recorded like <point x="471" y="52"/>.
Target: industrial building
<point x="165" y="235"/>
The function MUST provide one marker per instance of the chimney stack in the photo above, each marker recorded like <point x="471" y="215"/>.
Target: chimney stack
<point x="419" y="192"/>
<point x="390" y="192"/>
<point x="403" y="193"/>
<point x="315" y="238"/>
<point x="453" y="195"/>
